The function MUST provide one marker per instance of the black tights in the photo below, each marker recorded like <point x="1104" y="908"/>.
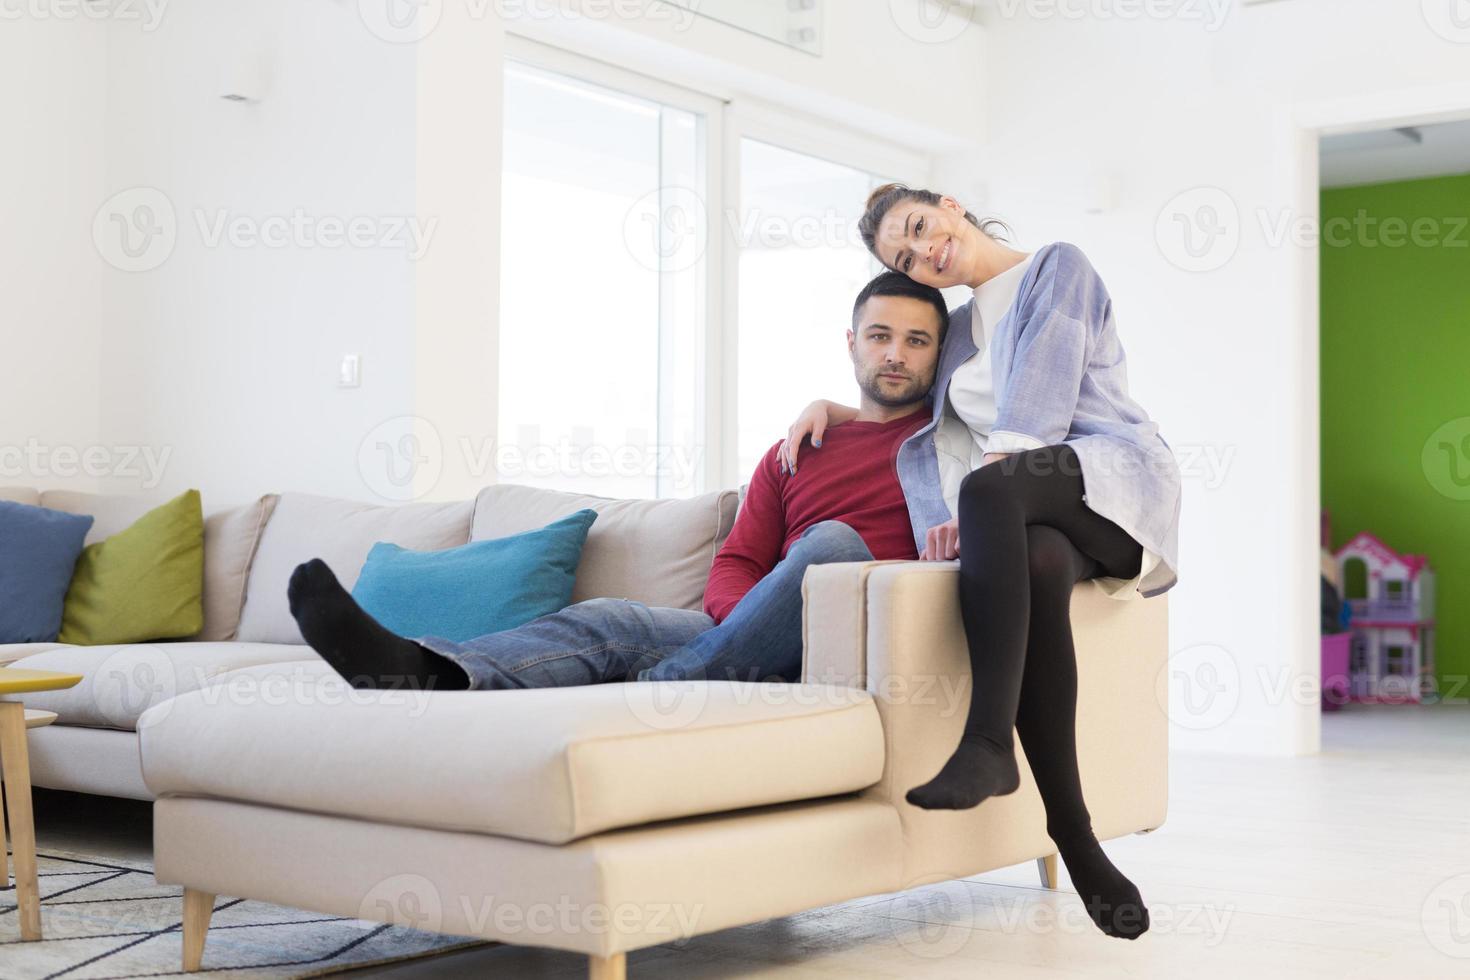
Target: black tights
<point x="1026" y="538"/>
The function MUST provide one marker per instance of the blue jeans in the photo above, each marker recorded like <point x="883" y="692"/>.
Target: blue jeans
<point x="604" y="641"/>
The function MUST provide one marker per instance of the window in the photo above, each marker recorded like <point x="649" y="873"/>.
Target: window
<point x="677" y="277"/>
<point x="602" y="311"/>
<point x="1396" y="661"/>
<point x="801" y="265"/>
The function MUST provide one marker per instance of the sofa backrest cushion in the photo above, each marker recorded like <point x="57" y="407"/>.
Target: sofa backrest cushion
<point x="230" y="538"/>
<point x="341" y="533"/>
<point x="657" y="552"/>
<point x="111" y="512"/>
<point x="21" y="495"/>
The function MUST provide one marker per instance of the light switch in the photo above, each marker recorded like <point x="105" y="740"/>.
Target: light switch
<point x="349" y="374"/>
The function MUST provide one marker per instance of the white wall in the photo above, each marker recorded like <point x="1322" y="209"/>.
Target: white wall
<point x="883" y="68"/>
<point x="224" y="352"/>
<point x="52" y="76"/>
<point x="224" y="356"/>
<point x="1218" y="357"/>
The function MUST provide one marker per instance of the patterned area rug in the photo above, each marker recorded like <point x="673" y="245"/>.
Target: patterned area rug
<point x="109" y="920"/>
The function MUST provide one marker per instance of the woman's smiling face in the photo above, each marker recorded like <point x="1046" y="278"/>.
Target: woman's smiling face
<point x="929" y="243"/>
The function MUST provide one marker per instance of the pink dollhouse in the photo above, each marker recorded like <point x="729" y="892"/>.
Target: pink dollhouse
<point x="1392" y="600"/>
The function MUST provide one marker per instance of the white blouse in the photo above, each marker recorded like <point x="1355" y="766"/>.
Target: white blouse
<point x="965" y="435"/>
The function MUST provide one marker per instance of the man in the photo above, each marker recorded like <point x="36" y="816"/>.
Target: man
<point x="846" y="505"/>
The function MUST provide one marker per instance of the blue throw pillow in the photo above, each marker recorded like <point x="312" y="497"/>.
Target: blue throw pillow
<point x="38" y="552"/>
<point x="478" y="588"/>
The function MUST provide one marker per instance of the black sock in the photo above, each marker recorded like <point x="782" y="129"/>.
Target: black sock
<point x="1112" y="901"/>
<point x="979" y="769"/>
<point x="357" y="646"/>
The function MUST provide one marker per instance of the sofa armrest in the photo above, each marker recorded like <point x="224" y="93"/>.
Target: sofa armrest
<point x="904" y="617"/>
<point x="834" y="622"/>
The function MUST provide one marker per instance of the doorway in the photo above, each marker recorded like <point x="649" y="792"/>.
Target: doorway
<point x="1391" y="274"/>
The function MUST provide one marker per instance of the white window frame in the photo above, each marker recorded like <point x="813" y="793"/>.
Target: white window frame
<point x="752" y="119"/>
<point x="728" y="122"/>
<point x="521" y="50"/>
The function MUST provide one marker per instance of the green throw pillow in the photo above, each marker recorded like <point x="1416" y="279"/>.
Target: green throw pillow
<point x="144" y="583"/>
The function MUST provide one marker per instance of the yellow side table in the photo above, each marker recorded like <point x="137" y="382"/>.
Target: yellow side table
<point x="14" y="720"/>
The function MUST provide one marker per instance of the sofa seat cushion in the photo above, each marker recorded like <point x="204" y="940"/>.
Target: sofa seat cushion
<point x="120" y="682"/>
<point x="548" y="765"/>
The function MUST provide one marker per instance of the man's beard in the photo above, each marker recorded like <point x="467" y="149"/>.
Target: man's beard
<point x="915" y="391"/>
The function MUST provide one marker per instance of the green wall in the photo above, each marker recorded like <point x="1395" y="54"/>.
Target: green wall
<point x="1395" y="368"/>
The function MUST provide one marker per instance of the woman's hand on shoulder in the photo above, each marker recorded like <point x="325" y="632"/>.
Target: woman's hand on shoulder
<point x="812" y="422"/>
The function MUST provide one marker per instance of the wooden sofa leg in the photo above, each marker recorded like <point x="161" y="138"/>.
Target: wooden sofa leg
<point x="1048" y="868"/>
<point x="613" y="967"/>
<point x="198" y="907"/>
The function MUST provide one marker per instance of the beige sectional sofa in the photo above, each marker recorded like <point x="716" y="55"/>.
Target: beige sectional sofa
<point x="597" y="819"/>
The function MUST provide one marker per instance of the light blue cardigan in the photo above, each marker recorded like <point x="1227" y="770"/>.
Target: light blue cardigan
<point x="1060" y="376"/>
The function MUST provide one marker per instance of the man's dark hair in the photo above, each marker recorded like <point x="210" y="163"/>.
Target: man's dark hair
<point x="898" y="284"/>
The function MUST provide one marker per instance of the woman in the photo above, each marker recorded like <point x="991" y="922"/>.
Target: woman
<point x="1037" y="470"/>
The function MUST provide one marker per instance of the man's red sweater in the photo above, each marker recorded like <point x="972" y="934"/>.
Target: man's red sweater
<point x="853" y="478"/>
